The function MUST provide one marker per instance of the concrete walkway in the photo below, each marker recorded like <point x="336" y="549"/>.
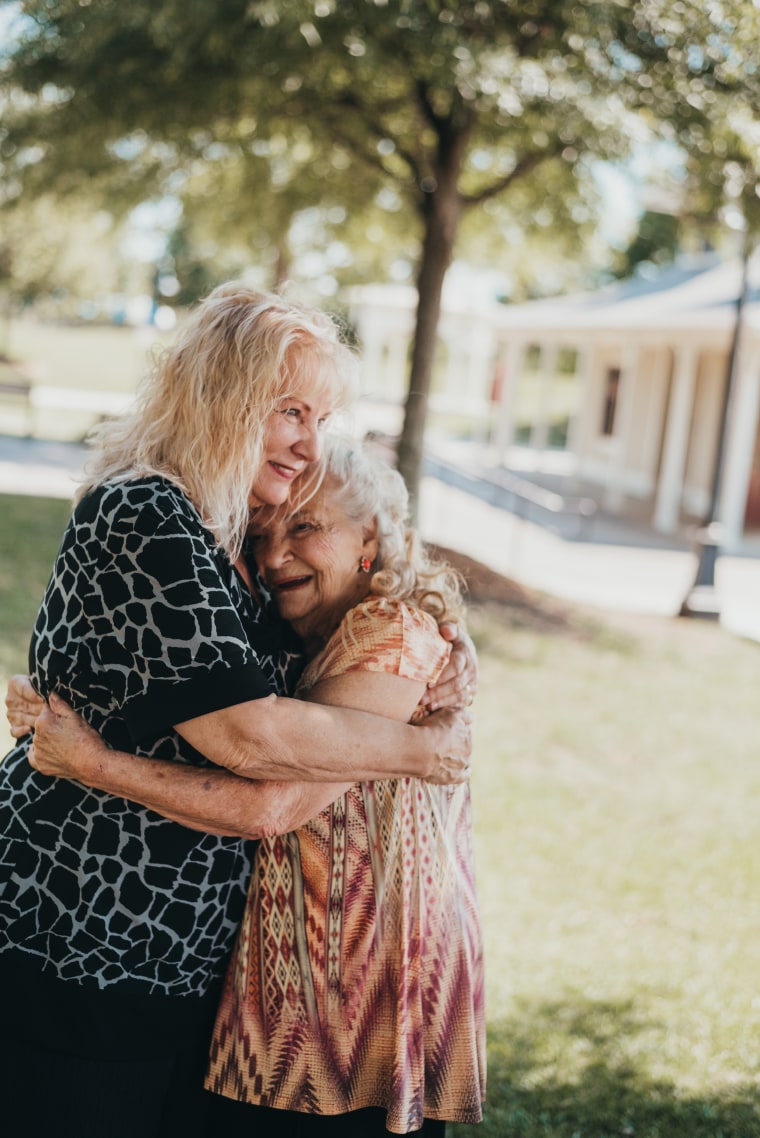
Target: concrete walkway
<point x="615" y="566"/>
<point x="41" y="468"/>
<point x="619" y="577"/>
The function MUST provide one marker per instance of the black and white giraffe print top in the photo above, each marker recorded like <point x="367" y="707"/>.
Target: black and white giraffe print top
<point x="144" y="624"/>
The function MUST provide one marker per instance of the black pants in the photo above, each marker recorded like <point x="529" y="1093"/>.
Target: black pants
<point x="232" y="1119"/>
<point x="47" y="1095"/>
<point x="78" y="1062"/>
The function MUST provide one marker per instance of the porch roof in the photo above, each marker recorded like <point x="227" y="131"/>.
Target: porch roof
<point x="693" y="295"/>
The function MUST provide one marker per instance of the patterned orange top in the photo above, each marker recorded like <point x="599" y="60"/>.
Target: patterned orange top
<point x="357" y="979"/>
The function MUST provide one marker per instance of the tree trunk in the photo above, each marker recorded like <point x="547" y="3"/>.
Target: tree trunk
<point x="442" y="216"/>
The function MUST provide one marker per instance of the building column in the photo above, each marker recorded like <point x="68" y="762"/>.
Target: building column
<point x="579" y="430"/>
<point x="511" y="363"/>
<point x="539" y="435"/>
<point x="655" y="412"/>
<point x="740" y="449"/>
<point x="668" y="501"/>
<point x="624" y="422"/>
<point x="480" y="374"/>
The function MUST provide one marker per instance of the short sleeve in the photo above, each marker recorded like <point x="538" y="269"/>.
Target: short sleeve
<point x="383" y="635"/>
<point x="159" y="602"/>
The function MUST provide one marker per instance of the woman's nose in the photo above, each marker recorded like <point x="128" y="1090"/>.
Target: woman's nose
<point x="272" y="550"/>
<point x="310" y="442"/>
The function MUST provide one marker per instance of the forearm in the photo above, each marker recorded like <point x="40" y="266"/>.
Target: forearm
<point x="214" y="801"/>
<point x="288" y="739"/>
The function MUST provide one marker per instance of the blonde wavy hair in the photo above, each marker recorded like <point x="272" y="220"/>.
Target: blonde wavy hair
<point x="368" y="489"/>
<point x="200" y="417"/>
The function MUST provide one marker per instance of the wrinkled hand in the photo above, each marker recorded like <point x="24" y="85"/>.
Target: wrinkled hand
<point x="453" y="749"/>
<point x="63" y="742"/>
<point x="458" y="682"/>
<point x="22" y="706"/>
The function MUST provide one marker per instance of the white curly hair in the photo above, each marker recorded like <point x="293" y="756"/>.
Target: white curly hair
<point x="368" y="489"/>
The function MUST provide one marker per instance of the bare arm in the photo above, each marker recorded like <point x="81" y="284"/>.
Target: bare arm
<point x="268" y="738"/>
<point x="212" y="800"/>
<point x="216" y="801"/>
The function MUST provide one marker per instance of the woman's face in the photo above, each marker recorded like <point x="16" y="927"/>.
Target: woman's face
<point x="291" y="441"/>
<point x="311" y="564"/>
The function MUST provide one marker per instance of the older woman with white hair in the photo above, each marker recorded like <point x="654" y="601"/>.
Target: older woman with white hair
<point x="116" y="924"/>
<point x="354" y="1000"/>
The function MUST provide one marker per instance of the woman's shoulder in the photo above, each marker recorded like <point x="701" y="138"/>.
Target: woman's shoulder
<point x="380" y="627"/>
<point x="151" y="496"/>
<point x="387" y="615"/>
<point x="381" y="635"/>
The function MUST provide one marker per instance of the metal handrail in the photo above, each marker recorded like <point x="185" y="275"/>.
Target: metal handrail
<point x="526" y="495"/>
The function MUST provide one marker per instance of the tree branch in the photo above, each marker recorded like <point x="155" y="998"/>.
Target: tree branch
<point x="524" y="166"/>
<point x="423" y="100"/>
<point x="350" y="101"/>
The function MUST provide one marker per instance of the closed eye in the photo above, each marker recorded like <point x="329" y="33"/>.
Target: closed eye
<point x="303" y="528"/>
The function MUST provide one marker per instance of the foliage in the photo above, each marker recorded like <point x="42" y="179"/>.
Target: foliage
<point x="434" y="106"/>
<point x="51" y="248"/>
<point x="656" y="241"/>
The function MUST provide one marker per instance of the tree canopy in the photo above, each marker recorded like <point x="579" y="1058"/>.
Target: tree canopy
<point x="447" y="104"/>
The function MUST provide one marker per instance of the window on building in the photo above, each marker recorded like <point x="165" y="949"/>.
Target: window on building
<point x="611" y="388"/>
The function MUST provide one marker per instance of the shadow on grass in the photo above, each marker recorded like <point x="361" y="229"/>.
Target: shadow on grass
<point x="561" y="1070"/>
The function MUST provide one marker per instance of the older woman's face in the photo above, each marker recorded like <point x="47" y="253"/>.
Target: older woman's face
<point x="311" y="563"/>
<point x="291" y="441"/>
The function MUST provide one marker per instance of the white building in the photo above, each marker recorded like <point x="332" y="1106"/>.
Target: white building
<point x="651" y="365"/>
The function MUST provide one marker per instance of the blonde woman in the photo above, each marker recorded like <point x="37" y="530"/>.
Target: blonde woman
<point x="115" y="923"/>
<point x="354" y="1001"/>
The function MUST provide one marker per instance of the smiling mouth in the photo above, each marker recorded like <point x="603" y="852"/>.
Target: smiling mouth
<point x="289" y="585"/>
<point x="284" y="471"/>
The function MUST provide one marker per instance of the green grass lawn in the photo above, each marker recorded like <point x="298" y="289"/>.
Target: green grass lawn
<point x="617" y="795"/>
<point x="617" y="788"/>
<point x="30" y="532"/>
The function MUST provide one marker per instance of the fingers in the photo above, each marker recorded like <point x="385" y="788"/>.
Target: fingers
<point x="453" y="693"/>
<point x="22" y="696"/>
<point x="60" y="707"/>
<point x="22" y="720"/>
<point x="44" y="731"/>
<point x="22" y="706"/>
<point x="444" y="694"/>
<point x="21" y="687"/>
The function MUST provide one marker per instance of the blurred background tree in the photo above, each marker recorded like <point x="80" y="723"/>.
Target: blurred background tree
<point x="412" y="117"/>
<point x="54" y="253"/>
